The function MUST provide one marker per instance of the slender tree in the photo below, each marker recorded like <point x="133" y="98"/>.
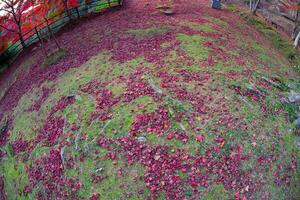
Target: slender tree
<point x="293" y="8"/>
<point x="295" y="14"/>
<point x="43" y="16"/>
<point x="253" y="6"/>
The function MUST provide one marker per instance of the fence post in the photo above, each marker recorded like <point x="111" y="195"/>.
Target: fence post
<point x="41" y="41"/>
<point x="37" y="33"/>
<point x="78" y="14"/>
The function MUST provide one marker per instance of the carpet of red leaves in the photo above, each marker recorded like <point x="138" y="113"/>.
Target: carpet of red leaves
<point x="167" y="171"/>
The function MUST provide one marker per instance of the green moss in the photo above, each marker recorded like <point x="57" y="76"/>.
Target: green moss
<point x="218" y="192"/>
<point x="113" y="186"/>
<point x="191" y="146"/>
<point x="277" y="40"/>
<point x="25" y="127"/>
<point x="166" y="45"/>
<point x="38" y="152"/>
<point x="205" y="27"/>
<point x="15" y="178"/>
<point x="172" y="56"/>
<point x="54" y="58"/>
<point x="124" y="114"/>
<point x="262" y="52"/>
<point x="81" y="110"/>
<point x="289" y="140"/>
<point x="27" y="124"/>
<point x="116" y="88"/>
<point x="193" y="46"/>
<point x="231" y="6"/>
<point x="148" y="32"/>
<point x="217" y="21"/>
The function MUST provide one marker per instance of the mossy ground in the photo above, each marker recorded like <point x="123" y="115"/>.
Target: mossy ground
<point x="187" y="62"/>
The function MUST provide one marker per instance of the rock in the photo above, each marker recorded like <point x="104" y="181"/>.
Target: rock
<point x="298" y="142"/>
<point x="291" y="86"/>
<point x="216" y="4"/>
<point x="72" y="94"/>
<point x="142" y="139"/>
<point x="297" y="122"/>
<point x="294" y="97"/>
<point x="245" y="101"/>
<point x="168" y="12"/>
<point x="77" y="97"/>
<point x="99" y="170"/>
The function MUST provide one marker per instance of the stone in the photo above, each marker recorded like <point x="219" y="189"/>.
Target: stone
<point x="77" y="97"/>
<point x="216" y="4"/>
<point x="99" y="170"/>
<point x="72" y="94"/>
<point x="298" y="142"/>
<point x="168" y="12"/>
<point x="297" y="122"/>
<point x="291" y="86"/>
<point x="294" y="97"/>
<point x="142" y="139"/>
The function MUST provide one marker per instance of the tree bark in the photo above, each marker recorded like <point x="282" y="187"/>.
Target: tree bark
<point x="296" y="21"/>
<point x="254" y="9"/>
<point x="41" y="41"/>
<point x="22" y="40"/>
<point x="297" y="40"/>
<point x="65" y="2"/>
<point x="51" y="33"/>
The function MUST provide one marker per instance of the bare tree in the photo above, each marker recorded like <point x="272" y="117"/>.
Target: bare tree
<point x="295" y="35"/>
<point x="41" y="16"/>
<point x="253" y="5"/>
<point x="13" y="17"/>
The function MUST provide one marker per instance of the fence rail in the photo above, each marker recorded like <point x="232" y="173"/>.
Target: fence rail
<point x="56" y="23"/>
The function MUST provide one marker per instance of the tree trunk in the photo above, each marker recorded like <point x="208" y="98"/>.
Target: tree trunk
<point x="22" y="40"/>
<point x="254" y="9"/>
<point x="51" y="33"/>
<point x="67" y="9"/>
<point x="41" y="42"/>
<point x="297" y="40"/>
<point x="296" y="23"/>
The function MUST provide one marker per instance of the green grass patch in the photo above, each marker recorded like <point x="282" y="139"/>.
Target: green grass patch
<point x="196" y="26"/>
<point x="166" y="45"/>
<point x="124" y="114"/>
<point x="262" y="52"/>
<point x="54" y="57"/>
<point x="280" y="43"/>
<point x="193" y="46"/>
<point x="148" y="32"/>
<point x="218" y="192"/>
<point x="15" y="179"/>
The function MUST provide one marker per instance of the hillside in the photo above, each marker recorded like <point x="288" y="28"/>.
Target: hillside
<point x="148" y="106"/>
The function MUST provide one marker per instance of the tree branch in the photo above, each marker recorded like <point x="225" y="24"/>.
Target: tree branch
<point x="8" y="11"/>
<point x="8" y="29"/>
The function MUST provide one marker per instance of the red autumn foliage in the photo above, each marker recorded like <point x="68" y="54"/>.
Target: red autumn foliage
<point x="155" y="122"/>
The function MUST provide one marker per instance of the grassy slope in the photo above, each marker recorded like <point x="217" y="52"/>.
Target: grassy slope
<point x="241" y="118"/>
